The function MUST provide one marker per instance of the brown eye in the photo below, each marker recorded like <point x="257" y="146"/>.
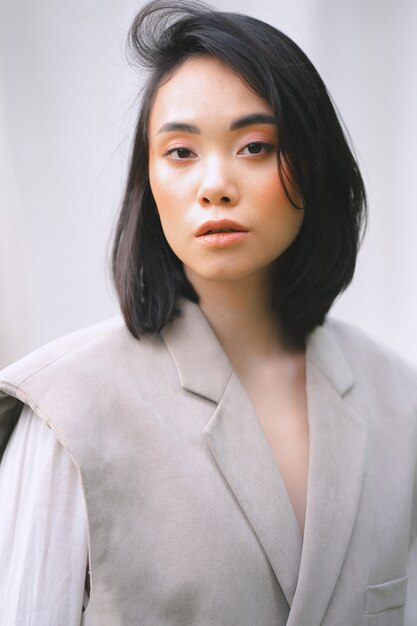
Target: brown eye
<point x="257" y="147"/>
<point x="180" y="154"/>
<point x="184" y="153"/>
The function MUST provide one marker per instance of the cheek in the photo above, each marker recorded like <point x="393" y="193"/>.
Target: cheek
<point x="165" y="195"/>
<point x="273" y="205"/>
<point x="172" y="200"/>
<point x="272" y="189"/>
<point x="169" y="189"/>
<point x="270" y="192"/>
<point x="162" y="185"/>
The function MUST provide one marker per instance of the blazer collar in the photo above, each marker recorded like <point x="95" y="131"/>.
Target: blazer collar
<point x="195" y="348"/>
<point x="307" y="569"/>
<point x="201" y="362"/>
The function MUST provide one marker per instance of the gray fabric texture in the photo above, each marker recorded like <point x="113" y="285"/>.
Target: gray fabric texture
<point x="190" y="523"/>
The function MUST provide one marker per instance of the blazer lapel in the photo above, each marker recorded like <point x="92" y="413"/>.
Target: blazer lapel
<point x="307" y="570"/>
<point x="238" y="444"/>
<point x="338" y="440"/>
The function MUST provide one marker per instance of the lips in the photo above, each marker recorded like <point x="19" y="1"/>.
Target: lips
<point x="215" y="226"/>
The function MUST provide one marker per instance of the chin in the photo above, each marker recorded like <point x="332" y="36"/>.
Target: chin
<point x="226" y="274"/>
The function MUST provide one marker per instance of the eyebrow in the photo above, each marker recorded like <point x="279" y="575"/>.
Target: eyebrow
<point x="241" y="122"/>
<point x="252" y="119"/>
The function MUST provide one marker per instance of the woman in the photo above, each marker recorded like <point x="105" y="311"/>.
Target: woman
<point x="224" y="452"/>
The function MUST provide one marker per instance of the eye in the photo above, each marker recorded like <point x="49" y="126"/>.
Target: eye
<point x="258" y="147"/>
<point x="181" y="154"/>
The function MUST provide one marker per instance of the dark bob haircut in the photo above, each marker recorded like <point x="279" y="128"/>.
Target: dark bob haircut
<point x="320" y="263"/>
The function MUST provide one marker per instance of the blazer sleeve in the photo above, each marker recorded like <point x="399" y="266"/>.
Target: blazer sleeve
<point x="43" y="529"/>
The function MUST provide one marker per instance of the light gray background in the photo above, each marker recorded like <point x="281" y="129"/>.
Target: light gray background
<point x="67" y="113"/>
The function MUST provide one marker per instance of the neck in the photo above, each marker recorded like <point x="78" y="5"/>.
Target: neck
<point x="242" y="318"/>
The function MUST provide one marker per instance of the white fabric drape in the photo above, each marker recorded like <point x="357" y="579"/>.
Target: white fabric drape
<point x="43" y="530"/>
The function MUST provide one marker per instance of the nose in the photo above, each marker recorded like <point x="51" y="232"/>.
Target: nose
<point x="216" y="185"/>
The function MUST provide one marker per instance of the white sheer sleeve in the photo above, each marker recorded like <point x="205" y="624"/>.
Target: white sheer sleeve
<point x="43" y="530"/>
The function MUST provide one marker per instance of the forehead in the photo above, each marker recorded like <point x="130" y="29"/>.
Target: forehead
<point x="203" y="88"/>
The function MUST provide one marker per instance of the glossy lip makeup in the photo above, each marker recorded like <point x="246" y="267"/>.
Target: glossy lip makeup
<point x="221" y="232"/>
<point x="222" y="239"/>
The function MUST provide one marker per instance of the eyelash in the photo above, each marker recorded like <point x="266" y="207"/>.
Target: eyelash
<point x="267" y="148"/>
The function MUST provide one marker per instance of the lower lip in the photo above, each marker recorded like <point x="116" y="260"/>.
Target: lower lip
<point x="222" y="239"/>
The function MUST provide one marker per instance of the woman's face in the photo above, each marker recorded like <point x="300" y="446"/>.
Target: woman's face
<point x="209" y="161"/>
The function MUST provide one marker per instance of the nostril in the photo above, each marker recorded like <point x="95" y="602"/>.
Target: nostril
<point x="224" y="199"/>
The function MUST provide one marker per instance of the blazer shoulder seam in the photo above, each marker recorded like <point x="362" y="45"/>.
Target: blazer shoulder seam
<point x="61" y="356"/>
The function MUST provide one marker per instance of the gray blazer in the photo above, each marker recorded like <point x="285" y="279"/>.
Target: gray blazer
<point x="226" y="549"/>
